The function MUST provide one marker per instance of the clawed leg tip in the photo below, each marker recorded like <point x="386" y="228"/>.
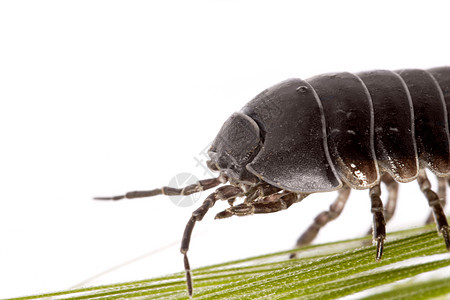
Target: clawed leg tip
<point x="446" y="236"/>
<point x="378" y="257"/>
<point x="380" y="247"/>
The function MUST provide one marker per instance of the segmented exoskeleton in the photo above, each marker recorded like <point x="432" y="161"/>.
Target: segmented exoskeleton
<point x="332" y="132"/>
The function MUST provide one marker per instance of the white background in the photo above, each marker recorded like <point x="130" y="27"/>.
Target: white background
<point x="103" y="97"/>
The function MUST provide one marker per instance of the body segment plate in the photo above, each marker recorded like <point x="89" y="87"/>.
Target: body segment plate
<point x="294" y="155"/>
<point x="349" y="121"/>
<point x="430" y="120"/>
<point x="442" y="76"/>
<point x="395" y="147"/>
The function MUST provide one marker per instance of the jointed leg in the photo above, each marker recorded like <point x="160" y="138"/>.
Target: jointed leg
<point x="442" y="191"/>
<point x="442" y="197"/>
<point x="223" y="193"/>
<point x="434" y="203"/>
<point x="201" y="185"/>
<point x="260" y="192"/>
<point x="323" y="218"/>
<point x="268" y="204"/>
<point x="391" y="203"/>
<point x="379" y="223"/>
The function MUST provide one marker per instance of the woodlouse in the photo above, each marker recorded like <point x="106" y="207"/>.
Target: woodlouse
<point x="332" y="132"/>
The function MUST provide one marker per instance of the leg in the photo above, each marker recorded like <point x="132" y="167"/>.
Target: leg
<point x="434" y="203"/>
<point x="260" y="192"/>
<point x="442" y="191"/>
<point x="257" y="194"/>
<point x="201" y="185"/>
<point x="442" y="197"/>
<point x="269" y="204"/>
<point x="223" y="193"/>
<point x="379" y="223"/>
<point x="323" y="218"/>
<point x="391" y="203"/>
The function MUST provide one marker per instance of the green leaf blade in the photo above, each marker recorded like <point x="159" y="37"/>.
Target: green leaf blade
<point x="326" y="271"/>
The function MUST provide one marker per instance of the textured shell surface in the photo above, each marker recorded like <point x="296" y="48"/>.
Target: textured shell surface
<point x="349" y="128"/>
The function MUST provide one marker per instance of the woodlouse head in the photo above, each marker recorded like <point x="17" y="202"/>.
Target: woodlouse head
<point x="236" y="145"/>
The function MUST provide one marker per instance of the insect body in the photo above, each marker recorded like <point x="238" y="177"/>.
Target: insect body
<point x="332" y="132"/>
